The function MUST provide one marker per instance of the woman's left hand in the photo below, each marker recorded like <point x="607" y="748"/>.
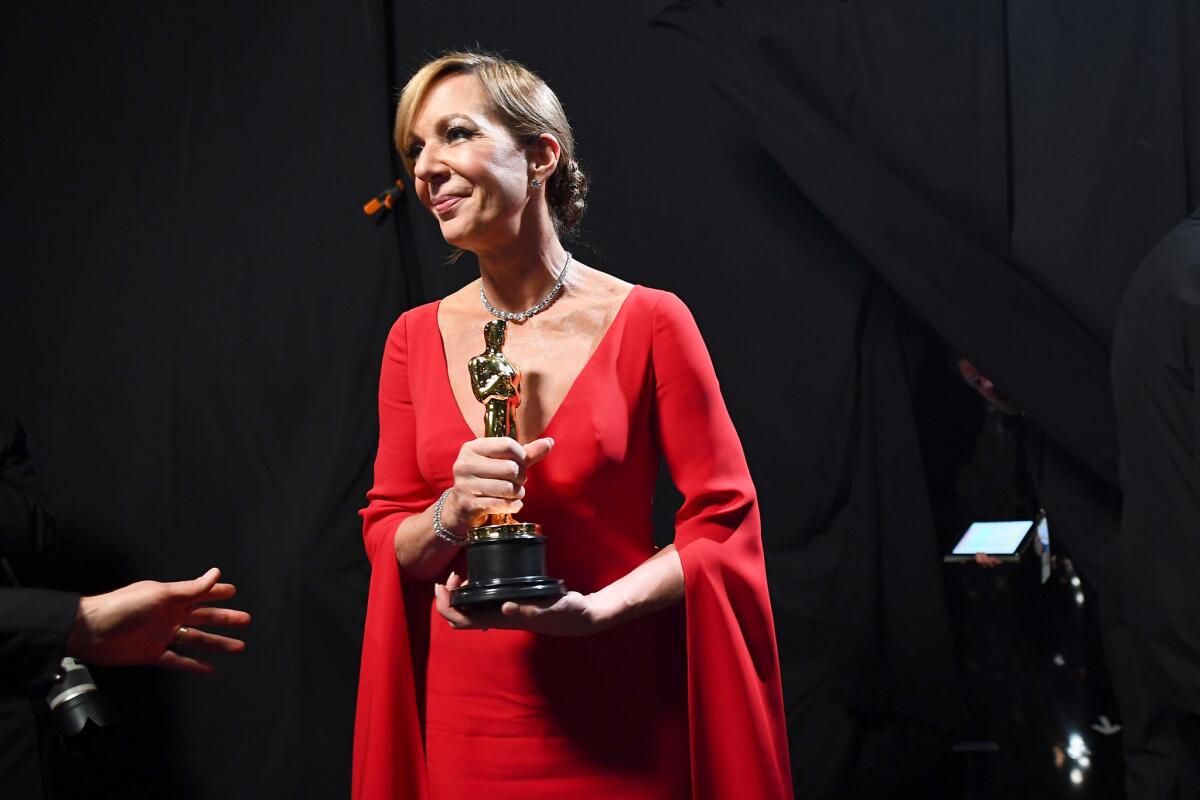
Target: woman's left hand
<point x="573" y="614"/>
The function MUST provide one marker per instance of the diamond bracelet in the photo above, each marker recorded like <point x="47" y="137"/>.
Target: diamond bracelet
<point x="440" y="530"/>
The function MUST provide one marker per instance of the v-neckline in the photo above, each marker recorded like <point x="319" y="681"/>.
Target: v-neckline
<point x="449" y="387"/>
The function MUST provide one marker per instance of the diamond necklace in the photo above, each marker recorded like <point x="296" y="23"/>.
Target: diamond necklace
<point x="521" y="316"/>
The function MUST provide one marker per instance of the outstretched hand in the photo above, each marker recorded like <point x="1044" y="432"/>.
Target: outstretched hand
<point x="138" y="623"/>
<point x="573" y="614"/>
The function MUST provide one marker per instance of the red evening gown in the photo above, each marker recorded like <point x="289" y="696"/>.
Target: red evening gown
<point x="682" y="703"/>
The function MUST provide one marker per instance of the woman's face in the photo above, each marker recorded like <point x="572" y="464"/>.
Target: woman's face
<point x="468" y="170"/>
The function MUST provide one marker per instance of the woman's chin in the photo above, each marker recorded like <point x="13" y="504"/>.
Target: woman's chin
<point x="477" y="235"/>
<point x="454" y="234"/>
<point x="459" y="236"/>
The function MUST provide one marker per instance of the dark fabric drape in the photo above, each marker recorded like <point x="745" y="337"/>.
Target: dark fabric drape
<point x="1105" y="104"/>
<point x="979" y="302"/>
<point x="1004" y="185"/>
<point x="191" y="319"/>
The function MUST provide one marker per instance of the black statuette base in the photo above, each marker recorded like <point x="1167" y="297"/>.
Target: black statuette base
<point x="499" y="570"/>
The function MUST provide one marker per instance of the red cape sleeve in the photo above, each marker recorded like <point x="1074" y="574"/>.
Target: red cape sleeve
<point x="389" y="752"/>
<point x="735" y="703"/>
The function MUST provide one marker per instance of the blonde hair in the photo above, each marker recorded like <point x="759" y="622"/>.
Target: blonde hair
<point x="523" y="103"/>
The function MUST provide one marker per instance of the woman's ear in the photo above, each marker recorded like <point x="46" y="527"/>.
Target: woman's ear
<point x="543" y="155"/>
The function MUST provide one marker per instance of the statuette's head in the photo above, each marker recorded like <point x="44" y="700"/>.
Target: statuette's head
<point x="494" y="332"/>
<point x="489" y="149"/>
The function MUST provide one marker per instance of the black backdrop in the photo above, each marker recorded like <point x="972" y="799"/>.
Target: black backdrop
<point x="194" y="306"/>
<point x="194" y="309"/>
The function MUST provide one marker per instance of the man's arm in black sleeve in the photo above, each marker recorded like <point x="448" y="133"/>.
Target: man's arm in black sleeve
<point x="27" y="529"/>
<point x="35" y="625"/>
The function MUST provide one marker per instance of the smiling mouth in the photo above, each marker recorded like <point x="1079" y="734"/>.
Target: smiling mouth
<point x="447" y="203"/>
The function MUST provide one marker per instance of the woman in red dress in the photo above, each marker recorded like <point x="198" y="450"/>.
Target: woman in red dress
<point x="656" y="676"/>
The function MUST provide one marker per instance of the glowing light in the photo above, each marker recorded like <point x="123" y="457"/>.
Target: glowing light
<point x="1084" y="762"/>
<point x="1076" y="582"/>
<point x="1076" y="747"/>
<point x="1076" y="776"/>
<point x="1079" y="598"/>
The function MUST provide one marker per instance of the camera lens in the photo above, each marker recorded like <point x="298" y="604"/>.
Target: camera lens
<point x="74" y="699"/>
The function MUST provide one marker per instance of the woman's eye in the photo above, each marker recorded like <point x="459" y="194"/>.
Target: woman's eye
<point x="452" y="134"/>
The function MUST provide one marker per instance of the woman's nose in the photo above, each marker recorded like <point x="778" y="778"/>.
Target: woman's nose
<point x="428" y="167"/>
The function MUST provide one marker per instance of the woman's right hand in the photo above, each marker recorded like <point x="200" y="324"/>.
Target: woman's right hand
<point x="489" y="478"/>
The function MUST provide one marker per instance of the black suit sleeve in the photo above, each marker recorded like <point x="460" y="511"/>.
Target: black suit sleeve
<point x="34" y="627"/>
<point x="27" y="530"/>
<point x="34" y="623"/>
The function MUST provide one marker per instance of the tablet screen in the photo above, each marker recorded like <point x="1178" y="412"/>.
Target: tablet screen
<point x="993" y="538"/>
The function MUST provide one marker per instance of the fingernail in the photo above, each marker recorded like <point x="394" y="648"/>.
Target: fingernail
<point x="452" y="576"/>
<point x="551" y="441"/>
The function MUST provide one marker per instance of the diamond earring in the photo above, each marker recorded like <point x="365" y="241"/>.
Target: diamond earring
<point x="535" y="183"/>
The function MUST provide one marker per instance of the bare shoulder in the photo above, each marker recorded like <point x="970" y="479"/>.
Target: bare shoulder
<point x="598" y="287"/>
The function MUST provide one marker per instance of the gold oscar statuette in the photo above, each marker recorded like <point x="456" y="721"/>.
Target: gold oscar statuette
<point x="506" y="558"/>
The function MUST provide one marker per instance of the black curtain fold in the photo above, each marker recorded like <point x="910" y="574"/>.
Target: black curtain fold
<point x="1003" y="172"/>
<point x="985" y="307"/>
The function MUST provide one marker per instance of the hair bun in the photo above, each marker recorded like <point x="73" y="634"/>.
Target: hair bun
<point x="566" y="195"/>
